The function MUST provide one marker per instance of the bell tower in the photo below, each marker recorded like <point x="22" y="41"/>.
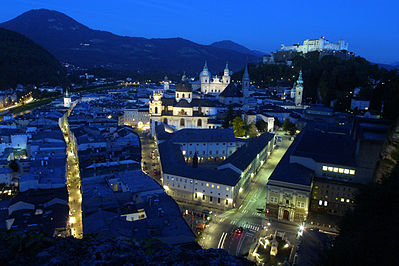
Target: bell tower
<point x="226" y="75"/>
<point x="156" y="103"/>
<point x="299" y="90"/>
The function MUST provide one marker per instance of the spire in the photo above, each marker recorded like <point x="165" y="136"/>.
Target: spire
<point x="246" y="74"/>
<point x="300" y="81"/>
<point x="165" y="78"/>
<point x="183" y="78"/>
<point x="66" y="93"/>
<point x="226" y="69"/>
<point x="205" y="67"/>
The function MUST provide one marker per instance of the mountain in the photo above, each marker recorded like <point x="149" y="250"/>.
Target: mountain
<point x="230" y="45"/>
<point x="75" y="43"/>
<point x="24" y="62"/>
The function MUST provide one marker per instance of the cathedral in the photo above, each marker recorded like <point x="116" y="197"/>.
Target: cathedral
<point x="214" y="85"/>
<point x="187" y="111"/>
<point x="183" y="111"/>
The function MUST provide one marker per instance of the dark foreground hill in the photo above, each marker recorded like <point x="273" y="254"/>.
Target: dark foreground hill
<point x="37" y="249"/>
<point x="24" y="62"/>
<point x="75" y="43"/>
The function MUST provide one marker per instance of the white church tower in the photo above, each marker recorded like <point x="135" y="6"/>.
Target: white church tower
<point x="226" y="75"/>
<point x="205" y="78"/>
<point x="299" y="90"/>
<point x="165" y="83"/>
<point x="67" y="99"/>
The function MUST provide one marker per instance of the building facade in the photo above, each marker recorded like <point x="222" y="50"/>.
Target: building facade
<point x="320" y="44"/>
<point x="214" y="85"/>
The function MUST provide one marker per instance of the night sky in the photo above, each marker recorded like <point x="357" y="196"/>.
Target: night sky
<point x="370" y="27"/>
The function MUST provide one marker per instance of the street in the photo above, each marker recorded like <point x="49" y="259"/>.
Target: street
<point x="73" y="183"/>
<point x="220" y="231"/>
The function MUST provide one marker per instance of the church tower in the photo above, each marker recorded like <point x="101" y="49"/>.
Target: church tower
<point x="67" y="99"/>
<point x="205" y="77"/>
<point x="166" y="83"/>
<point x="245" y="83"/>
<point x="156" y="103"/>
<point x="299" y="90"/>
<point x="226" y="75"/>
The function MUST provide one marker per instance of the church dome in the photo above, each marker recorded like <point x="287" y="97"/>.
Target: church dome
<point x="184" y="87"/>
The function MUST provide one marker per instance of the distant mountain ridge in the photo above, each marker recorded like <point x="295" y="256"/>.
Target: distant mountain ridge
<point x="24" y="62"/>
<point x="75" y="43"/>
<point x="227" y="44"/>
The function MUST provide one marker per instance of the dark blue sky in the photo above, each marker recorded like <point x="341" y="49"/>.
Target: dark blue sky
<point x="370" y="26"/>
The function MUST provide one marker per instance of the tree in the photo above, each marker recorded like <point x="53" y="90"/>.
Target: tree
<point x="195" y="160"/>
<point x="289" y="126"/>
<point x="14" y="166"/>
<point x="239" y="127"/>
<point x="252" y="131"/>
<point x="229" y="117"/>
<point x="261" y="125"/>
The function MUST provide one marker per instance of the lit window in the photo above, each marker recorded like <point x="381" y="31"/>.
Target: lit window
<point x="335" y="169"/>
<point x="325" y="168"/>
<point x="341" y="170"/>
<point x="348" y="200"/>
<point x="352" y="172"/>
<point x="320" y="202"/>
<point x="218" y="187"/>
<point x="330" y="169"/>
<point x="213" y="186"/>
<point x="207" y="184"/>
<point x="325" y="203"/>
<point x="227" y="188"/>
<point x="342" y="199"/>
<point x="346" y="171"/>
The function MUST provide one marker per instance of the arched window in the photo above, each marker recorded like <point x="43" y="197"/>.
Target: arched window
<point x="177" y="95"/>
<point x="156" y="110"/>
<point x="165" y="121"/>
<point x="182" y="122"/>
<point x="183" y="96"/>
<point x="199" y="123"/>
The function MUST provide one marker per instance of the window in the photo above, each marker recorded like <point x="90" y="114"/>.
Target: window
<point x="213" y="185"/>
<point x="218" y="187"/>
<point x="325" y="168"/>
<point x="325" y="203"/>
<point x="287" y="201"/>
<point x="177" y="95"/>
<point x="183" y="96"/>
<point x="156" y="109"/>
<point x="218" y="200"/>
<point x="165" y="121"/>
<point x="227" y="202"/>
<point x="320" y="202"/>
<point x="195" y="195"/>
<point x="199" y="123"/>
<point x="352" y="172"/>
<point x="227" y="188"/>
<point x="203" y="197"/>
<point x="207" y="184"/>
<point x="210" y="199"/>
<point x="182" y="122"/>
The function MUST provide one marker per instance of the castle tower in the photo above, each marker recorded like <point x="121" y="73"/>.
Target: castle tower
<point x="205" y="77"/>
<point x="226" y="75"/>
<point x="299" y="90"/>
<point x="245" y="83"/>
<point x="166" y="83"/>
<point x="67" y="99"/>
<point x="156" y="103"/>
